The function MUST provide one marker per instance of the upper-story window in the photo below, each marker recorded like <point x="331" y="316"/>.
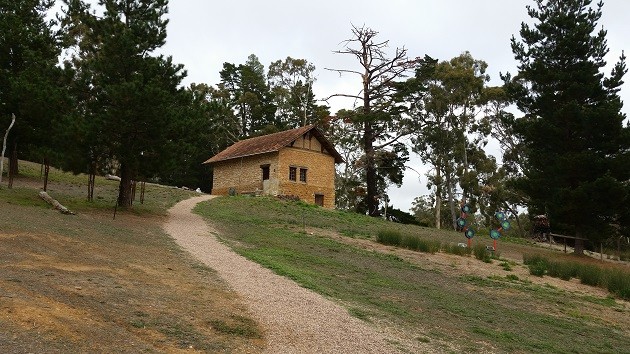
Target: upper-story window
<point x="292" y="173"/>
<point x="303" y="175"/>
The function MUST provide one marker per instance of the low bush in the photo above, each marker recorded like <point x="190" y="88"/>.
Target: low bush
<point x="618" y="282"/>
<point x="562" y="270"/>
<point x="481" y="253"/>
<point x="411" y="242"/>
<point x="590" y="275"/>
<point x="615" y="280"/>
<point x="456" y="249"/>
<point x="389" y="237"/>
<point x="537" y="264"/>
<point x="429" y="246"/>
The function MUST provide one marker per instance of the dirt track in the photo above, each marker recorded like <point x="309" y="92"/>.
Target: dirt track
<point x="295" y="320"/>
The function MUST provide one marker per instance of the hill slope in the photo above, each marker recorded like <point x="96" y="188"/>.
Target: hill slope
<point x="454" y="302"/>
<point x="87" y="282"/>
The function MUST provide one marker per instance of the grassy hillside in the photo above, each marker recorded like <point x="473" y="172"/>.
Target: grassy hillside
<point x="458" y="303"/>
<point x="86" y="282"/>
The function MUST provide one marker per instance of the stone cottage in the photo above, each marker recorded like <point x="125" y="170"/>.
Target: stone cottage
<point x="298" y="162"/>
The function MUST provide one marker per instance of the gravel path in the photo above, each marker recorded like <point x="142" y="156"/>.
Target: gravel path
<point x="295" y="320"/>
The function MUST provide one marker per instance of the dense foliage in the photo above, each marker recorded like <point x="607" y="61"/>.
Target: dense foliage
<point x="575" y="145"/>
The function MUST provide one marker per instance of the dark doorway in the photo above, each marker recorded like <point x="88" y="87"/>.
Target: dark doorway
<point x="319" y="199"/>
<point x="265" y="172"/>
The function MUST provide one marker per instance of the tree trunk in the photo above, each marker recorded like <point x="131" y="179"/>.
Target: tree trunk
<point x="13" y="168"/>
<point x="124" y="190"/>
<point x="46" y="172"/>
<point x="4" y="145"/>
<point x="91" y="182"/>
<point x="578" y="247"/>
<point x="142" y="187"/>
<point x="451" y="200"/>
<point x="370" y="171"/>
<point x="438" y="200"/>
<point x="134" y="183"/>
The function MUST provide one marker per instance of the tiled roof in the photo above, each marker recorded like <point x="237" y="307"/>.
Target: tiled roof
<point x="271" y="143"/>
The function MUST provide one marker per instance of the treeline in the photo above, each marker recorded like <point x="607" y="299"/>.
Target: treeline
<point x="90" y="95"/>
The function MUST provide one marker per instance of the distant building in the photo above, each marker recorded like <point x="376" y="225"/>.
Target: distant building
<point x="298" y="162"/>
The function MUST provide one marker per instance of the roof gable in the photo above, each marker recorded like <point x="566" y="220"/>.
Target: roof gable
<point x="272" y="143"/>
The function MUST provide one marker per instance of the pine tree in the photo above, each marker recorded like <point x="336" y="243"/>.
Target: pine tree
<point x="134" y="95"/>
<point x="30" y="81"/>
<point x="572" y="130"/>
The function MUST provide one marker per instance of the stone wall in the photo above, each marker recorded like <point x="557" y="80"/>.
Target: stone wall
<point x="320" y="178"/>
<point x="243" y="174"/>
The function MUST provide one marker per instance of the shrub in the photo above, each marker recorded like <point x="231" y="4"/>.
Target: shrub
<point x="411" y="242"/>
<point x="456" y="249"/>
<point x="506" y="266"/>
<point x="537" y="264"/>
<point x="512" y="277"/>
<point x="618" y="282"/>
<point x="481" y="253"/>
<point x="429" y="246"/>
<point x="562" y="270"/>
<point x="389" y="237"/>
<point x="590" y="275"/>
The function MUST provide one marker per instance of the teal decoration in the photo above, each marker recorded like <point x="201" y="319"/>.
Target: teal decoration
<point x="470" y="233"/>
<point x="466" y="209"/>
<point x="461" y="222"/>
<point x="495" y="234"/>
<point x="500" y="215"/>
<point x="505" y="225"/>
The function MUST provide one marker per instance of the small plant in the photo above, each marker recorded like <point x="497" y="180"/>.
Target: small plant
<point x="429" y="246"/>
<point x="562" y="270"/>
<point x="481" y="253"/>
<point x="618" y="282"/>
<point x="456" y="249"/>
<point x="590" y="275"/>
<point x="389" y="237"/>
<point x="512" y="277"/>
<point x="411" y="242"/>
<point x="538" y="269"/>
<point x="506" y="266"/>
<point x="537" y="264"/>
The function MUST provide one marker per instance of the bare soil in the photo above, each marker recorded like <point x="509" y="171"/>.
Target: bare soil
<point x="90" y="284"/>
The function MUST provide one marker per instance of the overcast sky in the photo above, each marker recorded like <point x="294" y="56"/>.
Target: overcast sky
<point x="203" y="35"/>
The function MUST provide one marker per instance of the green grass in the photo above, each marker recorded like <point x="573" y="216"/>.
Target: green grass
<point x="71" y="191"/>
<point x="470" y="313"/>
<point x="393" y="238"/>
<point x="615" y="280"/>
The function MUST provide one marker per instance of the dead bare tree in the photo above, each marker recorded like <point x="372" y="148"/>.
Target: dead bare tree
<point x="4" y="145"/>
<point x="379" y="124"/>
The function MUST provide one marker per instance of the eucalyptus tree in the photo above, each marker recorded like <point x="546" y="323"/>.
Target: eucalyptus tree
<point x="444" y="98"/>
<point x="291" y="82"/>
<point x="575" y="144"/>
